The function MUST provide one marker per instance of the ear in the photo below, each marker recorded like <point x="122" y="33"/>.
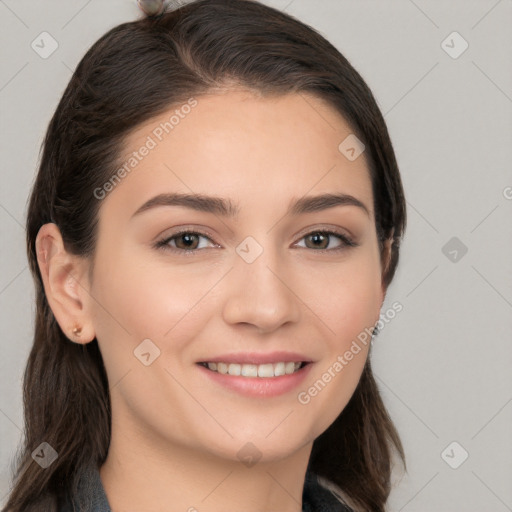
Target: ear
<point x="386" y="260"/>
<point x="66" y="284"/>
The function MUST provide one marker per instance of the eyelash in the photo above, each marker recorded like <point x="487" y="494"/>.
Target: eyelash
<point x="163" y="244"/>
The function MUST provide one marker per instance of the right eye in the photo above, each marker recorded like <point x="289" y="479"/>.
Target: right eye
<point x="185" y="241"/>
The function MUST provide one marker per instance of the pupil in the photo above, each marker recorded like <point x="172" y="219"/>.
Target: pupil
<point x="189" y="239"/>
<point x="317" y="237"/>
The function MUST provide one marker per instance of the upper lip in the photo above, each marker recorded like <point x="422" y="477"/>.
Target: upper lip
<point x="259" y="358"/>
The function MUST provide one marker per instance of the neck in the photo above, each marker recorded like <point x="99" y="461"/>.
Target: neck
<point x="141" y="473"/>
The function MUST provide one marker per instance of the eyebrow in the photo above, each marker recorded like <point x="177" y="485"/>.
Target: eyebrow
<point x="226" y="208"/>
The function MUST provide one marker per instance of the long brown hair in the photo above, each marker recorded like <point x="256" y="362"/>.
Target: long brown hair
<point x="134" y="72"/>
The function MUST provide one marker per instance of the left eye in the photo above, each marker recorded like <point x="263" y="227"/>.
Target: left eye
<point x="188" y="241"/>
<point x="320" y="237"/>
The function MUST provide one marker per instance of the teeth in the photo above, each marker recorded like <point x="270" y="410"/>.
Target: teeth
<point x="266" y="370"/>
<point x="289" y="368"/>
<point x="279" y="369"/>
<point x="255" y="370"/>
<point x="234" y="369"/>
<point x="249" y="370"/>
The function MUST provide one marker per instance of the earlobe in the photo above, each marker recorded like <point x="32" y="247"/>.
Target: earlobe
<point x="64" y="278"/>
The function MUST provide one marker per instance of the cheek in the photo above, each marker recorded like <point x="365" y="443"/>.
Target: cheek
<point x="346" y="296"/>
<point x="350" y="313"/>
<point x="139" y="301"/>
<point x="348" y="307"/>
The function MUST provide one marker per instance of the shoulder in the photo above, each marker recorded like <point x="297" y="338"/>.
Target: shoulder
<point x="317" y="497"/>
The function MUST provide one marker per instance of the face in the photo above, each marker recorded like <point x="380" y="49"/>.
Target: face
<point x="250" y="276"/>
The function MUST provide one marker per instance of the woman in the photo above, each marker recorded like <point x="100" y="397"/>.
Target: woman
<point x="213" y="227"/>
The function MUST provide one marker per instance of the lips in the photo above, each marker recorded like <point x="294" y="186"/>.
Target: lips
<point x="260" y="380"/>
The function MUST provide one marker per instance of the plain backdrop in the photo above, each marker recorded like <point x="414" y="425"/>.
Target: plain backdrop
<point x="442" y="75"/>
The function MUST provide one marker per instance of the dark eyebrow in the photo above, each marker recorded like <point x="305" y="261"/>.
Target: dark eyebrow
<point x="226" y="208"/>
<point x="308" y="204"/>
<point x="200" y="202"/>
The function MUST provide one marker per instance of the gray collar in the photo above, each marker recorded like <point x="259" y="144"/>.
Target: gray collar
<point x="91" y="496"/>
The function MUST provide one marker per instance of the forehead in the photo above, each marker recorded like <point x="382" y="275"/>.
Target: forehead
<point x="242" y="145"/>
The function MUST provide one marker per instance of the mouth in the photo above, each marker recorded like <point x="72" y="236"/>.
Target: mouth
<point x="266" y="371"/>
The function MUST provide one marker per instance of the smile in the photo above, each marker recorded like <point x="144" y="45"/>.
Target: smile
<point x="267" y="370"/>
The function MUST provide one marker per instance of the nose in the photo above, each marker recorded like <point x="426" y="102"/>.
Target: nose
<point x="261" y="294"/>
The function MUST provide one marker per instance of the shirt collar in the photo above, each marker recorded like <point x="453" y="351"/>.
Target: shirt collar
<point x="91" y="496"/>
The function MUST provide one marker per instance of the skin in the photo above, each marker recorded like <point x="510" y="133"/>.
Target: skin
<point x="176" y="433"/>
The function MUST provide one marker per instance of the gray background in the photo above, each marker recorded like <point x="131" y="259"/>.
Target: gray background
<point x="444" y="362"/>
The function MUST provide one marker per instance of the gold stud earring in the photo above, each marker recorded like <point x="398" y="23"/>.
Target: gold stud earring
<point x="77" y="331"/>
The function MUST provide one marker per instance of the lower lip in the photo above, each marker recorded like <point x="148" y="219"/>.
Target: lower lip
<point x="259" y="386"/>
